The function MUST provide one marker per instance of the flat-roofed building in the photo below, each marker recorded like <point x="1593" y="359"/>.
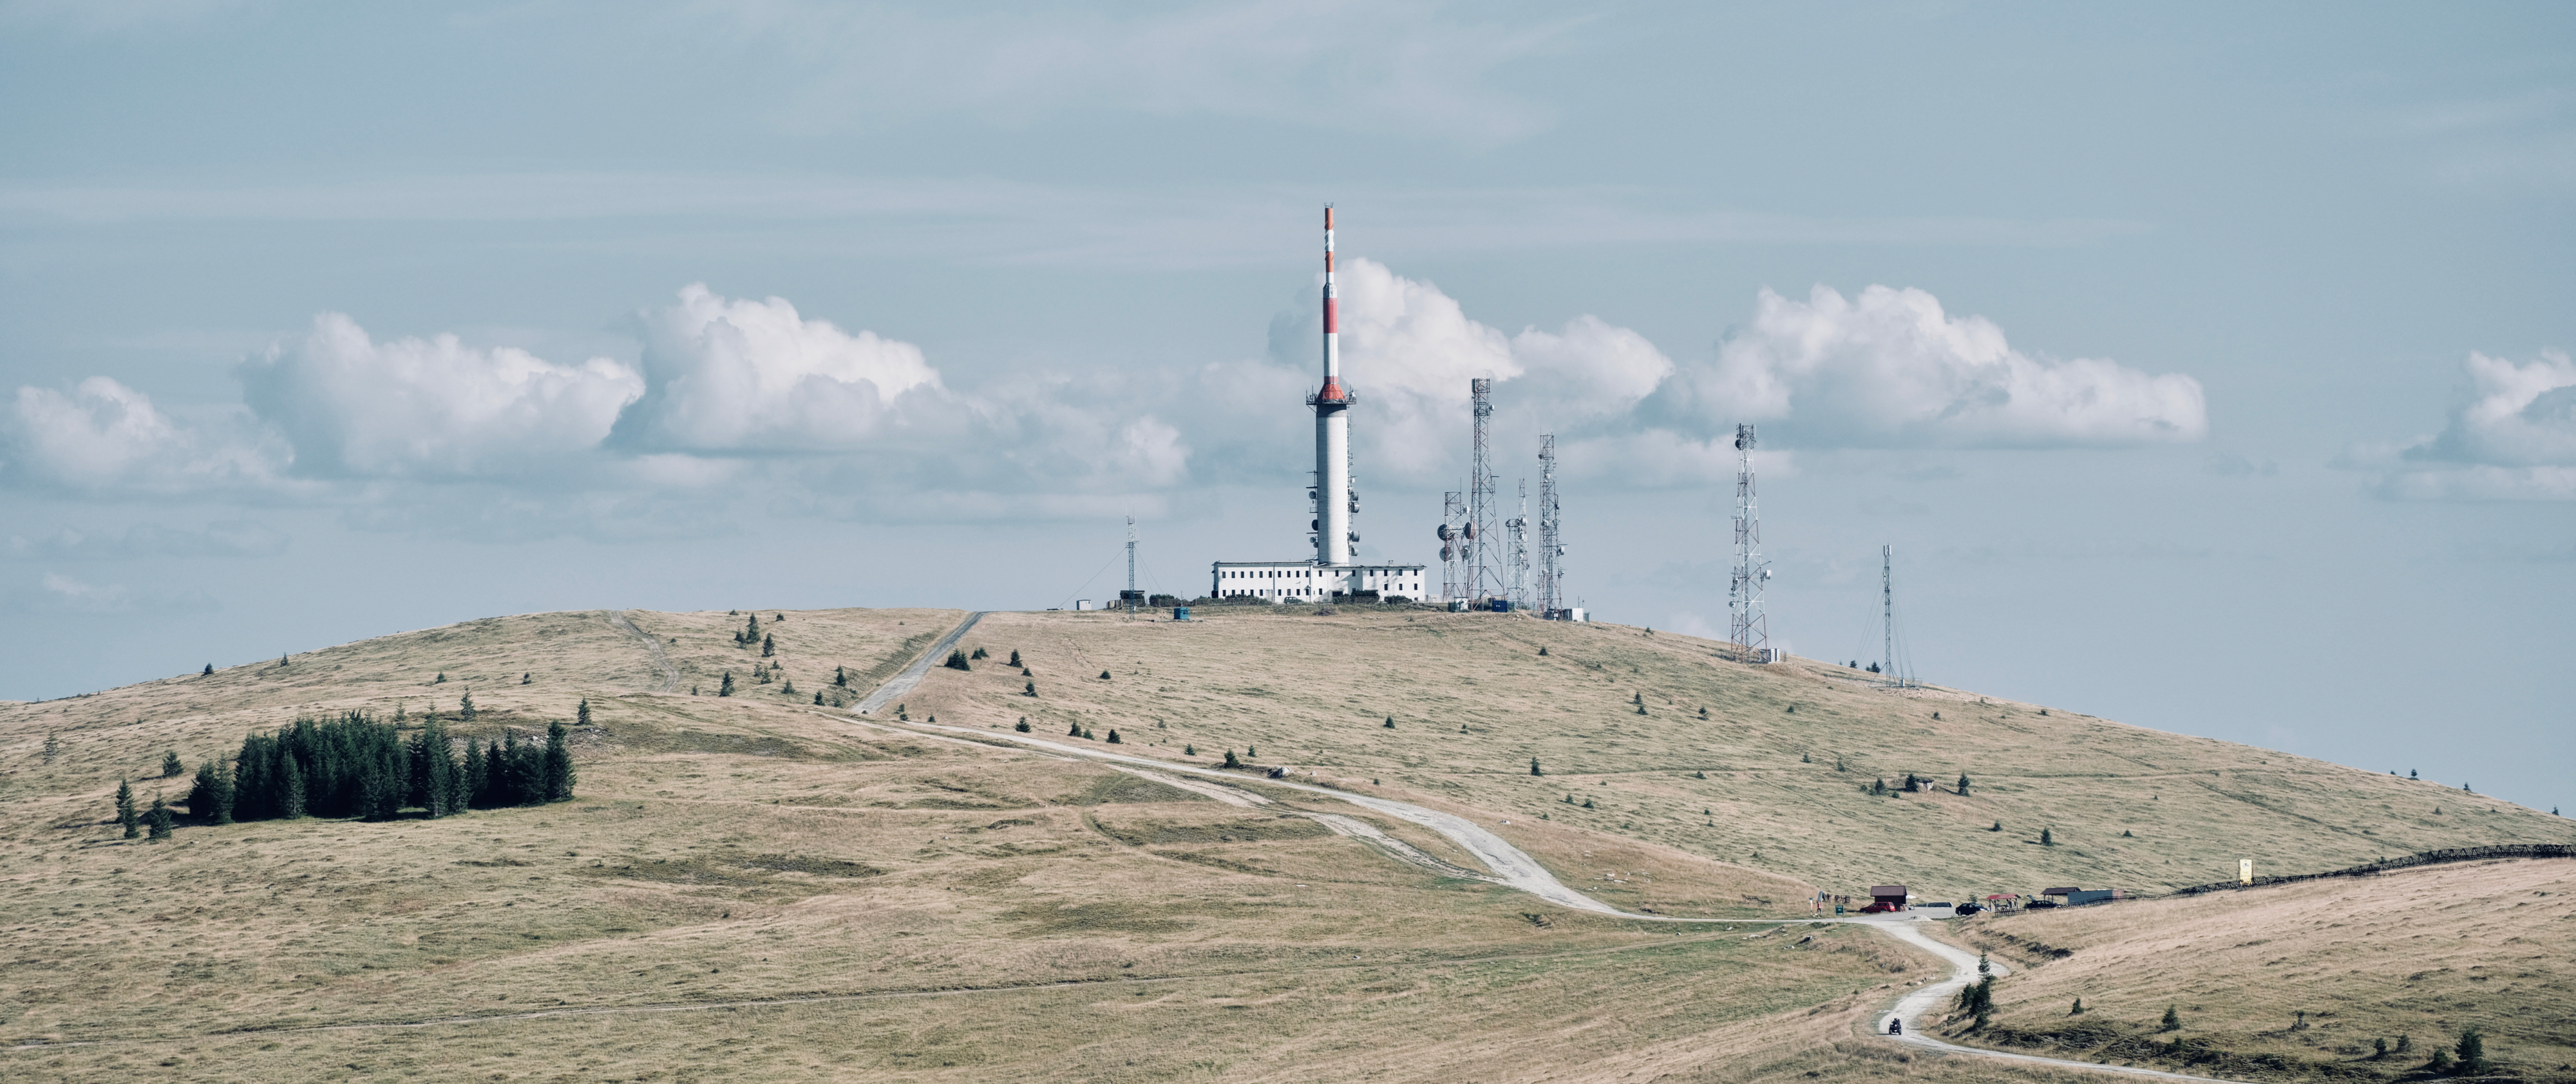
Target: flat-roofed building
<point x="1306" y="581"/>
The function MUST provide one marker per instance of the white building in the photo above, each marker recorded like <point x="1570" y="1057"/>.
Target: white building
<point x="1306" y="581"/>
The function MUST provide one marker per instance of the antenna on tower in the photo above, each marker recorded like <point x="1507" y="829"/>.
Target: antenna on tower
<point x="1551" y="547"/>
<point x="1480" y="495"/>
<point x="1454" y="545"/>
<point x="1519" y="562"/>
<point x="1748" y="626"/>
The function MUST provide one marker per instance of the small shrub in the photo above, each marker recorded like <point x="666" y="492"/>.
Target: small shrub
<point x="1189" y="750"/>
<point x="1999" y="826"/>
<point x="2078" y="1010"/>
<point x="529" y="678"/>
<point x="1963" y="784"/>
<point x="1104" y="675"/>
<point x="210" y="670"/>
<point x="1534" y="767"/>
<point x="2173" y="1019"/>
<point x="1542" y="651"/>
<point x="1023" y="726"/>
<point x="1587" y="803"/>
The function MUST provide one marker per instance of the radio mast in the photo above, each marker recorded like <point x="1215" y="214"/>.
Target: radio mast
<point x="1551" y="544"/>
<point x="1748" y="626"/>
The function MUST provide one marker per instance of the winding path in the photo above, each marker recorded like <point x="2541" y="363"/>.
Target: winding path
<point x="1515" y="868"/>
<point x="662" y="662"/>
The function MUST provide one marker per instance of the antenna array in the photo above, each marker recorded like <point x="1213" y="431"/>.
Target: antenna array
<point x="1483" y="578"/>
<point x="1747" y="625"/>
<point x="1519" y="562"/>
<point x="1551" y="547"/>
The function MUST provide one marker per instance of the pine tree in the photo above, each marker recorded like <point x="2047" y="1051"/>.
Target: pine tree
<point x="559" y="773"/>
<point x="2472" y="1053"/>
<point x="1104" y="675"/>
<point x="465" y="708"/>
<point x="818" y="699"/>
<point x="1984" y="967"/>
<point x="841" y="676"/>
<point x="211" y="799"/>
<point x="210" y="670"/>
<point x="1030" y="690"/>
<point x="2405" y="1044"/>
<point x="2378" y="1047"/>
<point x="1963" y="784"/>
<point x="160" y="819"/>
<point x="727" y="688"/>
<point x="291" y="795"/>
<point x="957" y="661"/>
<point x="769" y="647"/>
<point x="1113" y="735"/>
<point x="1230" y="761"/>
<point x="1023" y="727"/>
<point x="2078" y="1010"/>
<point x="980" y="654"/>
<point x="789" y="689"/>
<point x="1076" y="732"/>
<point x="2047" y="838"/>
<point x="1534" y="767"/>
<point x="125" y="814"/>
<point x="1999" y="826"/>
<point x="1189" y="750"/>
<point x="751" y="631"/>
<point x="2173" y="1019"/>
<point x="1015" y="659"/>
<point x="529" y="678"/>
<point x="171" y="768"/>
<point x="1587" y="803"/>
<point x="2440" y="1063"/>
<point x="581" y="714"/>
<point x="1390" y="722"/>
<point x="477" y="782"/>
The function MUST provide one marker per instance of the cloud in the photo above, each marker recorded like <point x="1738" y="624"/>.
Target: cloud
<point x="430" y="408"/>
<point x="1890" y="368"/>
<point x="56" y="593"/>
<point x="1395" y="65"/>
<point x="103" y="436"/>
<point x="731" y="376"/>
<point x="2513" y="437"/>
<point x="226" y="538"/>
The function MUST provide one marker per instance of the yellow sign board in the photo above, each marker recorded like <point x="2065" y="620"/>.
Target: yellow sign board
<point x="2245" y="871"/>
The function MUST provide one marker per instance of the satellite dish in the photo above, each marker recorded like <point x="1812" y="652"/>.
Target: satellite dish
<point x="1471" y="531"/>
<point x="1446" y="534"/>
<point x="1448" y="553"/>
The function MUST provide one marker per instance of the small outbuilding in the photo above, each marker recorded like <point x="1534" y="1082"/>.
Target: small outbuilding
<point x="1893" y="896"/>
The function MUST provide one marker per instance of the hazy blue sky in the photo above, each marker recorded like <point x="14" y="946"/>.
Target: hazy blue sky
<point x="2207" y="367"/>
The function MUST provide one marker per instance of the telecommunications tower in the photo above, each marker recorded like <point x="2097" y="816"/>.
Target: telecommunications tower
<point x="1551" y="548"/>
<point x="1129" y="596"/>
<point x="1484" y="579"/>
<point x="1454" y="547"/>
<point x="1334" y="498"/>
<point x="1747" y="625"/>
<point x="1519" y="526"/>
<point x="1887" y="614"/>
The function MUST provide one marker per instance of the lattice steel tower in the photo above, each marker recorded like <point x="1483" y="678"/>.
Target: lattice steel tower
<point x="1483" y="578"/>
<point x="1747" y="625"/>
<point x="1551" y="548"/>
<point x="1453" y="543"/>
<point x="1129" y="597"/>
<point x="1519" y="527"/>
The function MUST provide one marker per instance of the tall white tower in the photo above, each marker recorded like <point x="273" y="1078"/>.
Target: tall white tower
<point x="1333" y="497"/>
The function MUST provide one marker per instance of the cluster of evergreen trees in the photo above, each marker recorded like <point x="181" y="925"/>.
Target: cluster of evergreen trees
<point x="354" y="766"/>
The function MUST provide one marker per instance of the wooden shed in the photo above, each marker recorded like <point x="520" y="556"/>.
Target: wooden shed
<point x="1891" y="895"/>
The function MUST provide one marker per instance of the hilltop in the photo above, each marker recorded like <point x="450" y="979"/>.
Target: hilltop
<point x="764" y="887"/>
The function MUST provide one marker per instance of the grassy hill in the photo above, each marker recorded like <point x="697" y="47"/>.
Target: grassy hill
<point x="755" y="887"/>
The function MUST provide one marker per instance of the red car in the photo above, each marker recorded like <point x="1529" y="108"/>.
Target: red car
<point x="1878" y="909"/>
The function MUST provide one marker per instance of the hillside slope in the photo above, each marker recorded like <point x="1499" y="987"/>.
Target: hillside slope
<point x="1772" y="778"/>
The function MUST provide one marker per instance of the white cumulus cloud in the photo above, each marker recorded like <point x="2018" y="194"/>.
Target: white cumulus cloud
<point x="430" y="408"/>
<point x="728" y="375"/>
<point x="1890" y="368"/>
<point x="104" y="436"/>
<point x="2512" y="438"/>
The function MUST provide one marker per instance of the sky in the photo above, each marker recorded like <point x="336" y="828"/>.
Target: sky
<point x="2204" y="368"/>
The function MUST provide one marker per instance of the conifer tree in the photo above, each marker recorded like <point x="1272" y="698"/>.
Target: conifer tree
<point x="957" y="661"/>
<point x="818" y="699"/>
<point x="789" y="689"/>
<point x="211" y="799"/>
<point x="559" y="773"/>
<point x="1963" y="784"/>
<point x="465" y="708"/>
<point x="1390" y="722"/>
<point x="1015" y="659"/>
<point x="2173" y="1019"/>
<point x="2047" y="838"/>
<point x="476" y="781"/>
<point x="841" y="676"/>
<point x="2078" y="1010"/>
<point x="529" y="678"/>
<point x="2472" y="1053"/>
<point x="581" y="714"/>
<point x="768" y="647"/>
<point x="1104" y="675"/>
<point x="1113" y="735"/>
<point x="1534" y="767"/>
<point x="751" y="631"/>
<point x="1076" y="732"/>
<point x="291" y="796"/>
<point x="1030" y="690"/>
<point x="210" y="670"/>
<point x="980" y="654"/>
<point x="727" y="688"/>
<point x="1023" y="726"/>
<point x="125" y="814"/>
<point x="53" y="746"/>
<point x="171" y="768"/>
<point x="1230" y="761"/>
<point x="159" y="818"/>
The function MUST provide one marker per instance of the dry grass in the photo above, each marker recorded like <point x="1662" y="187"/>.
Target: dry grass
<point x="751" y="888"/>
<point x="2421" y="953"/>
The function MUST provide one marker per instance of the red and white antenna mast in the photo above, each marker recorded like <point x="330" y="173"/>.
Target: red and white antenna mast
<point x="1334" y="499"/>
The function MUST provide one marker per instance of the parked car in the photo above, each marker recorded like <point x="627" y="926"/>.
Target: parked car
<point x="1966" y="909"/>
<point x="1877" y="909"/>
<point x="2037" y="904"/>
